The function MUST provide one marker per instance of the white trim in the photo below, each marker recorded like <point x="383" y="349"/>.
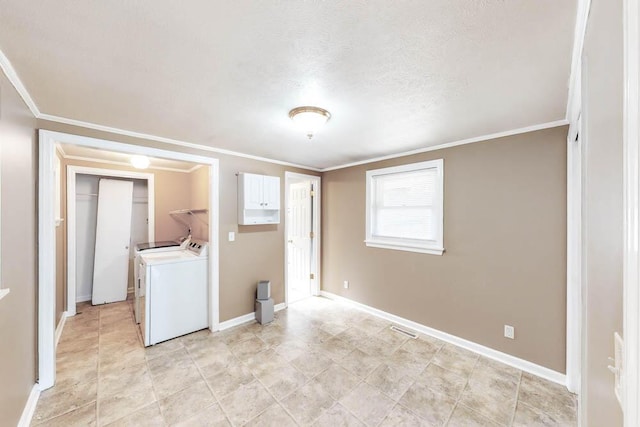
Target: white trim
<point x="499" y="356"/>
<point x="574" y="98"/>
<point x="46" y="235"/>
<point x="11" y="74"/>
<point x="246" y="318"/>
<point x="114" y="162"/>
<point x="631" y="263"/>
<point x="171" y="141"/>
<point x="72" y="171"/>
<point x="481" y="138"/>
<point x="574" y="261"/>
<point x="433" y="247"/>
<point x="46" y="261"/>
<point x="60" y="327"/>
<point x="317" y="228"/>
<point x="30" y="407"/>
<point x="4" y="292"/>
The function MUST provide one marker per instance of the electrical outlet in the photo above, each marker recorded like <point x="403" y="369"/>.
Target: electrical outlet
<point x="346" y="284"/>
<point x="509" y="332"/>
<point x="232" y="236"/>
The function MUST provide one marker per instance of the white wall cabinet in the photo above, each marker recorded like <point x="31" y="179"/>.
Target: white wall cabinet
<point x="258" y="199"/>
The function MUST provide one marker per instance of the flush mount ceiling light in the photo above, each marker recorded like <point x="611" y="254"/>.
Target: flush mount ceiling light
<point x="309" y="119"/>
<point x="140" y="162"/>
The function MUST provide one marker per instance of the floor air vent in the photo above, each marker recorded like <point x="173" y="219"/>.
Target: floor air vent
<point x="402" y="331"/>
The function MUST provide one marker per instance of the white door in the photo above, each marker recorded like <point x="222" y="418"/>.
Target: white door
<point x="113" y="235"/>
<point x="299" y="226"/>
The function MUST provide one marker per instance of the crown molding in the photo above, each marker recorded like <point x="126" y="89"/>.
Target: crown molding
<point x="482" y="138"/>
<point x="11" y="74"/>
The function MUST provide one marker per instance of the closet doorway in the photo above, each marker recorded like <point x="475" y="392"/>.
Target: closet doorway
<point x="82" y="201"/>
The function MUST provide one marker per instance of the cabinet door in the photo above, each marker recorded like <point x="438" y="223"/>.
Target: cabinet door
<point x="253" y="196"/>
<point x="271" y="192"/>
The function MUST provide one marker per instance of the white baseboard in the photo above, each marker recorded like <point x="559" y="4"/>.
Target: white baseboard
<point x="30" y="407"/>
<point x="60" y="326"/>
<point x="499" y="356"/>
<point x="245" y="318"/>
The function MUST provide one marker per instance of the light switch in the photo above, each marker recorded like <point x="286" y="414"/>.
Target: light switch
<point x="232" y="236"/>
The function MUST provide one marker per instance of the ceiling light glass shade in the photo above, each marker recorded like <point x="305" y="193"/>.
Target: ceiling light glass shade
<point x="309" y="119"/>
<point x="140" y="162"/>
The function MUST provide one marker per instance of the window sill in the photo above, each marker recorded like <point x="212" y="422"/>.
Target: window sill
<point x="4" y="293"/>
<point x="422" y="250"/>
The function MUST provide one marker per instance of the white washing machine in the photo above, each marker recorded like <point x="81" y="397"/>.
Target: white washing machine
<point x="172" y="295"/>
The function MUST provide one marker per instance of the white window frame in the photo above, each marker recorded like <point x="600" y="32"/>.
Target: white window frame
<point x="434" y="247"/>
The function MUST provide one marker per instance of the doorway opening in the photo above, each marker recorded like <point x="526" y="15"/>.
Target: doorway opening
<point x="50" y="216"/>
<point x="302" y="236"/>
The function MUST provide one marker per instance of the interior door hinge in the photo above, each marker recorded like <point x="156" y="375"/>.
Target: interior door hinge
<point x="311" y="235"/>
<point x="312" y="276"/>
<point x="313" y="193"/>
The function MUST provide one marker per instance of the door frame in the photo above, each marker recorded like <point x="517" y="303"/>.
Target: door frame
<point x="72" y="171"/>
<point x="290" y="177"/>
<point x="631" y="252"/>
<point x="47" y="235"/>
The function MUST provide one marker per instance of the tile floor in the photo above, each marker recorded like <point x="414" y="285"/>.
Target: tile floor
<point x="319" y="363"/>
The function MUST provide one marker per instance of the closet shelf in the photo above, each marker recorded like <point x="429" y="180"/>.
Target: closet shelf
<point x="190" y="212"/>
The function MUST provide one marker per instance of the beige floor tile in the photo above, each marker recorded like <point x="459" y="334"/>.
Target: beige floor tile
<point x="392" y="337"/>
<point x="205" y="352"/>
<point x="292" y="349"/>
<point x="401" y="416"/>
<point x="115" y="360"/>
<point x="547" y="397"/>
<point x="148" y="416"/>
<point x="172" y="372"/>
<point x="455" y="359"/>
<point x="336" y="416"/>
<point x="374" y="346"/>
<point x="267" y="361"/>
<point x="352" y="336"/>
<point x="443" y="381"/>
<point x="312" y="363"/>
<point x="465" y="417"/>
<point x="496" y="404"/>
<point x="274" y="416"/>
<point x="371" y="325"/>
<point x="282" y="381"/>
<point x="125" y="402"/>
<point x="235" y="335"/>
<point x="337" y="381"/>
<point x="230" y="379"/>
<point x="57" y="401"/>
<point x="163" y="348"/>
<point x="527" y="416"/>
<point x="119" y="381"/>
<point x="424" y="346"/>
<point x="495" y="374"/>
<point x="308" y="402"/>
<point x="83" y="416"/>
<point x="210" y="417"/>
<point x="368" y="404"/>
<point x="334" y="327"/>
<point x="411" y="363"/>
<point x="218" y="362"/>
<point x="246" y="403"/>
<point x="391" y="380"/>
<point x="359" y="363"/>
<point x="186" y="403"/>
<point x="435" y="408"/>
<point x="247" y="348"/>
<point x="336" y="348"/>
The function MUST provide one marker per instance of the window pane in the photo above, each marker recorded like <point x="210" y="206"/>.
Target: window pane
<point x="406" y="189"/>
<point x="405" y="222"/>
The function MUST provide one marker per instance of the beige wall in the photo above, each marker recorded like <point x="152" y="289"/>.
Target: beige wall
<point x="18" y="218"/>
<point x="199" y="190"/>
<point x="602" y="216"/>
<point x="258" y="251"/>
<point x="505" y="242"/>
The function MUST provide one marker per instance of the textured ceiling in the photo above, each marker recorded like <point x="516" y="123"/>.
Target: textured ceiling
<point x="396" y="75"/>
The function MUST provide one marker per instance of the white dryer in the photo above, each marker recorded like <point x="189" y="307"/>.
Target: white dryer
<point x="172" y="295"/>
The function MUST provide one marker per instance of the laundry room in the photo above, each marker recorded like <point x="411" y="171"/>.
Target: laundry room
<point x="108" y="205"/>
